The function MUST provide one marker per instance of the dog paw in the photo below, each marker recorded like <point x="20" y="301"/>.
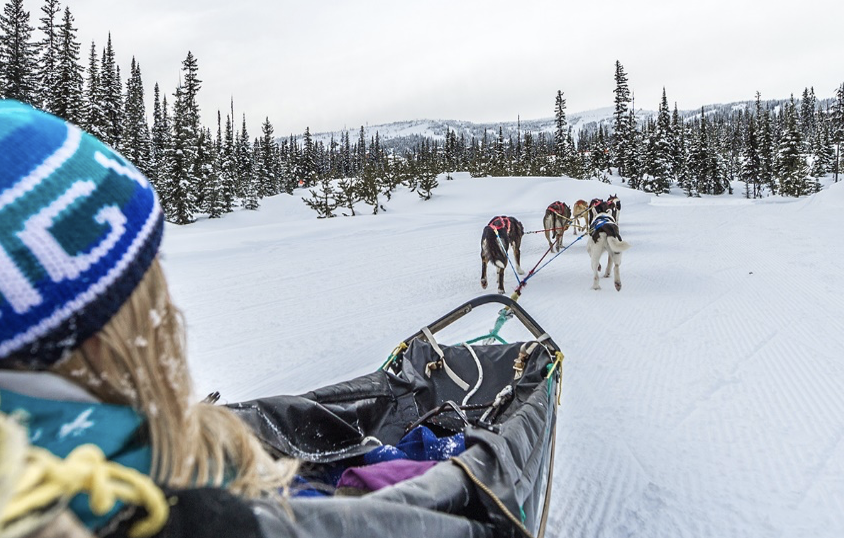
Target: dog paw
<point x="483" y="284"/>
<point x="618" y="286"/>
<point x="501" y="291"/>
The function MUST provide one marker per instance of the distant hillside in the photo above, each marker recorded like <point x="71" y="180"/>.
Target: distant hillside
<point x="401" y="135"/>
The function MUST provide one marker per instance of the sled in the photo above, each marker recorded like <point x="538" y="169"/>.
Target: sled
<point x="501" y="397"/>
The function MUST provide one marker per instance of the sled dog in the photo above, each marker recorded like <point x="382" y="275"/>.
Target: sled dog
<point x="502" y="233"/>
<point x="593" y="210"/>
<point x="556" y="222"/>
<point x="604" y="236"/>
<point x="580" y="216"/>
<point x="614" y="205"/>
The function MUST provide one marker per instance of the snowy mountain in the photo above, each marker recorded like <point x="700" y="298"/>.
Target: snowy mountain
<point x="406" y="134"/>
<point x="702" y="400"/>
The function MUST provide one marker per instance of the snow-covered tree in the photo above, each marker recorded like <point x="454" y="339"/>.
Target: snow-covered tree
<point x="790" y="165"/>
<point x="659" y="151"/>
<point x="48" y="61"/>
<point x="111" y="96"/>
<point x="135" y="143"/>
<point x="94" y="115"/>
<point x="68" y="99"/>
<point x="18" y="55"/>
<point x="621" y="122"/>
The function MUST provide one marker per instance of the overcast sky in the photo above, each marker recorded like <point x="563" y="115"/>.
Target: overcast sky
<point x="331" y="64"/>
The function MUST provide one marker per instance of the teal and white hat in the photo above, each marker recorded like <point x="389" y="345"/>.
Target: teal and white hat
<point x="79" y="227"/>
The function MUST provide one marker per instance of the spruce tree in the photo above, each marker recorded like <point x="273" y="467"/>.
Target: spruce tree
<point x="790" y="166"/>
<point x="228" y="168"/>
<point x="268" y="166"/>
<point x="68" y="98"/>
<point x="323" y="199"/>
<point x="94" y="114"/>
<point x="183" y="189"/>
<point x="837" y="129"/>
<point x="135" y="143"/>
<point x="209" y="179"/>
<point x="48" y="64"/>
<point x="307" y="162"/>
<point x="660" y="151"/>
<point x="111" y="95"/>
<point x="18" y="55"/>
<point x="561" y="145"/>
<point x="621" y="124"/>
<point x="347" y="193"/>
<point x="247" y="185"/>
<point x="751" y="168"/>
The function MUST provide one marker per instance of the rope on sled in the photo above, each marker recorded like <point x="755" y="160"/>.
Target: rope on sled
<point x="47" y="478"/>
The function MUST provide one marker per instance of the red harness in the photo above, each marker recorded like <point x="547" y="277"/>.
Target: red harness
<point x="500" y="223"/>
<point x="558" y="208"/>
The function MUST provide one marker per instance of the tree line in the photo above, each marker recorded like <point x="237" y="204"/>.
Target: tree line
<point x="779" y="148"/>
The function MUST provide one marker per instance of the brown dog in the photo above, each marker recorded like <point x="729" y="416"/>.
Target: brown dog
<point x="555" y="222"/>
<point x="579" y="216"/>
<point x="501" y="234"/>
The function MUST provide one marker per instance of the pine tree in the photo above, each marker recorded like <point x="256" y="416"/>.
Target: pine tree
<point x="228" y="168"/>
<point x="247" y="185"/>
<point x="135" y="143"/>
<point x="268" y="167"/>
<point x="660" y="151"/>
<point x="18" y="55"/>
<point x="837" y="128"/>
<point x="209" y="179"/>
<point x="323" y="199"/>
<point x="183" y="184"/>
<point x="48" y="64"/>
<point x="679" y="152"/>
<point x="161" y="150"/>
<point x="808" y="121"/>
<point x="621" y="124"/>
<point x="751" y="169"/>
<point x="111" y="94"/>
<point x="427" y="183"/>
<point x="347" y="193"/>
<point x="307" y="163"/>
<point x="94" y="114"/>
<point x="766" y="145"/>
<point x="561" y="143"/>
<point x="790" y="166"/>
<point x="68" y="98"/>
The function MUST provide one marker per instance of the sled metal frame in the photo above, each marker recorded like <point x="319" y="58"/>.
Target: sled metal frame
<point x="509" y="304"/>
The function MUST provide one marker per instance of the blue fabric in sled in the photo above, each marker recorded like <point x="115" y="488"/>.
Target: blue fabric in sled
<point x="420" y="444"/>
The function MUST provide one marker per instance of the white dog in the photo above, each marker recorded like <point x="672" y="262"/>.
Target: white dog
<point x="604" y="236"/>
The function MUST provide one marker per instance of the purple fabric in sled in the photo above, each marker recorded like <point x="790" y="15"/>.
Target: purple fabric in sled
<point x="380" y="475"/>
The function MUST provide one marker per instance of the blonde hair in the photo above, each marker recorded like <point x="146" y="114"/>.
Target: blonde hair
<point x="138" y="358"/>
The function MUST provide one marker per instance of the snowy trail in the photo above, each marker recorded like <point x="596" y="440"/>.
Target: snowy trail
<point x="702" y="400"/>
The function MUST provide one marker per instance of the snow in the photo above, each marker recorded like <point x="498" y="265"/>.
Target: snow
<point x="702" y="400"/>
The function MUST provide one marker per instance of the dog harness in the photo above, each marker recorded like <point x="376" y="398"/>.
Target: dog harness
<point x="558" y="208"/>
<point x="500" y="223"/>
<point x="600" y="221"/>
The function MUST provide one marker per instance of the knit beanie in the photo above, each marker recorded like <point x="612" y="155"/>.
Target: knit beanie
<point x="79" y="226"/>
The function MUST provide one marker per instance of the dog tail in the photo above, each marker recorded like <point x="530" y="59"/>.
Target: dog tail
<point x="617" y="245"/>
<point x="491" y="250"/>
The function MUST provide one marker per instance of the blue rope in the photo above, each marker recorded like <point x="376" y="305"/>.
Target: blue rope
<point x="509" y="262"/>
<point x="553" y="257"/>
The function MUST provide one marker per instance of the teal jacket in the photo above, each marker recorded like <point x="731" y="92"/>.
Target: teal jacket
<point x="60" y="426"/>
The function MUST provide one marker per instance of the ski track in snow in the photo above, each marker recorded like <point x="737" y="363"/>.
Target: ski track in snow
<point x="704" y="399"/>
